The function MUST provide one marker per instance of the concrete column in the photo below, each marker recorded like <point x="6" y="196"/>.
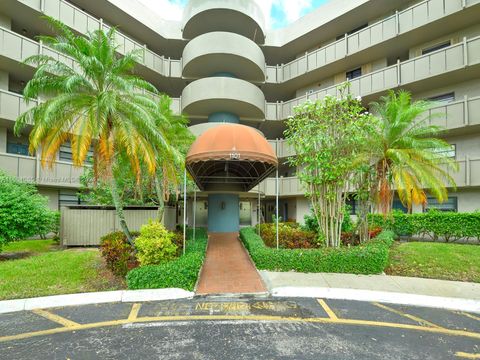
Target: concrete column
<point x="4" y="80"/>
<point x="3" y="140"/>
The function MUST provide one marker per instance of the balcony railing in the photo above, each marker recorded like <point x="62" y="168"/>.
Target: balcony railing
<point x="455" y="57"/>
<point x="29" y="169"/>
<point x="82" y="22"/>
<point x="386" y="29"/>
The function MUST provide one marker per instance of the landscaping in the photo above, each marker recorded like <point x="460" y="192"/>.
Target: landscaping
<point x="49" y="270"/>
<point x="435" y="260"/>
<point x="179" y="273"/>
<point x="370" y="257"/>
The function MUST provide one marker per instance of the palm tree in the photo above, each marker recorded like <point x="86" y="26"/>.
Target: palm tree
<point x="97" y="102"/>
<point x="171" y="164"/>
<point x="407" y="155"/>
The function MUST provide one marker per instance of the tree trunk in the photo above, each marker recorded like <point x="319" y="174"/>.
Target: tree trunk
<point x="119" y="210"/>
<point x="161" y="203"/>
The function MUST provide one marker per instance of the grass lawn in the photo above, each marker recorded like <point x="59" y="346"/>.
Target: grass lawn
<point x="435" y="260"/>
<point x="53" y="272"/>
<point x="35" y="246"/>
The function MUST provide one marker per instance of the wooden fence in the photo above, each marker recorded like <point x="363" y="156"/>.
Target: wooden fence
<point x="85" y="225"/>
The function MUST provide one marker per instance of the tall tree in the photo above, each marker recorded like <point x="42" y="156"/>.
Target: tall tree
<point x="97" y="101"/>
<point x="407" y="154"/>
<point x="328" y="136"/>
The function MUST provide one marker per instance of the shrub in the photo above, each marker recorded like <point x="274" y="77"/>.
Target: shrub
<point x="290" y="236"/>
<point x="155" y="244"/>
<point x="119" y="255"/>
<point x="311" y="222"/>
<point x="23" y="212"/>
<point x="179" y="273"/>
<point x="434" y="224"/>
<point x="368" y="258"/>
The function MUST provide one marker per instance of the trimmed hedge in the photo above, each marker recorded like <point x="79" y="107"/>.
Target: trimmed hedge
<point x="179" y="273"/>
<point x="433" y="224"/>
<point x="368" y="258"/>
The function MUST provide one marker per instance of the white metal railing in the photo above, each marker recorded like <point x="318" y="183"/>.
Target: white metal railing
<point x="388" y="28"/>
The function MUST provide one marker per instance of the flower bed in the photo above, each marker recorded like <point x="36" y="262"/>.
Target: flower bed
<point x="368" y="258"/>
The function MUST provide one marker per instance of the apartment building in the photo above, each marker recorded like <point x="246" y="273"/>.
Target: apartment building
<point x="223" y="69"/>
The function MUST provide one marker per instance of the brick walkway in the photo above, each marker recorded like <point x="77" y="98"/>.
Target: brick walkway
<point x="228" y="268"/>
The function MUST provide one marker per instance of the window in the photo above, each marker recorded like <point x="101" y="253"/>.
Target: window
<point x="351" y="203"/>
<point x="397" y="205"/>
<point x="449" y="205"/>
<point x="17" y="148"/>
<point x="65" y="153"/>
<point x="436" y="47"/>
<point x="69" y="197"/>
<point x="448" y="97"/>
<point x="355" y="73"/>
<point x="450" y="152"/>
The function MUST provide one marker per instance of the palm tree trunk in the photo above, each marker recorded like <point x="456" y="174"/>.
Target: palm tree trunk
<point x="119" y="210"/>
<point x="161" y="203"/>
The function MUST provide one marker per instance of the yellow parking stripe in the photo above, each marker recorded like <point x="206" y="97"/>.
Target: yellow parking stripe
<point x="55" y="318"/>
<point x="434" y="330"/>
<point x="327" y="309"/>
<point x="408" y="316"/>
<point x="134" y="312"/>
<point x="468" y="315"/>
<point x="467" y="355"/>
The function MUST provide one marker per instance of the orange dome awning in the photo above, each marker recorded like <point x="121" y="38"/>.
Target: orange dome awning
<point x="230" y="155"/>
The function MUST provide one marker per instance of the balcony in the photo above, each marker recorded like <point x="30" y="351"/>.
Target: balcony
<point x="232" y="53"/>
<point x="28" y="169"/>
<point x="455" y="57"/>
<point x="399" y="24"/>
<point x="205" y="96"/>
<point x="82" y="22"/>
<point x="13" y="105"/>
<point x="240" y="17"/>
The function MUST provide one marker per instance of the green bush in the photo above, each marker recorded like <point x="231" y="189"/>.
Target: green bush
<point x="179" y="273"/>
<point x="433" y="224"/>
<point x="368" y="258"/>
<point x="119" y="255"/>
<point x="23" y="212"/>
<point x="311" y="222"/>
<point x="290" y="236"/>
<point x="155" y="244"/>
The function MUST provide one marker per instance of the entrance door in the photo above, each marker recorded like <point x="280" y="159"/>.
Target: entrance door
<point x="223" y="213"/>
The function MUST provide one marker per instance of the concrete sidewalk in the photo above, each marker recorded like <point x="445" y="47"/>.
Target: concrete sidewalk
<point x="381" y="283"/>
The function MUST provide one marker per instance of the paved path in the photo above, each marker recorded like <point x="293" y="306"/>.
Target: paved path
<point x="396" y="284"/>
<point x="228" y="268"/>
<point x="241" y="328"/>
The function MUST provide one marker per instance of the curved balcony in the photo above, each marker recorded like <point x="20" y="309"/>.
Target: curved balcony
<point x="232" y="53"/>
<point x="240" y="17"/>
<point x="206" y="96"/>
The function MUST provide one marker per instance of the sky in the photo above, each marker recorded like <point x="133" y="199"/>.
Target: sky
<point x="279" y="13"/>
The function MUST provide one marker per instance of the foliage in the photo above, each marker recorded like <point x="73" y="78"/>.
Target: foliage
<point x="328" y="136"/>
<point x="155" y="244"/>
<point x="53" y="273"/>
<point x="119" y="255"/>
<point x="368" y="258"/>
<point x="94" y="101"/>
<point x="30" y="246"/>
<point x="434" y="224"/>
<point x="406" y="153"/>
<point x="311" y="222"/>
<point x="180" y="273"/>
<point x="435" y="261"/>
<point x="290" y="236"/>
<point x="23" y="212"/>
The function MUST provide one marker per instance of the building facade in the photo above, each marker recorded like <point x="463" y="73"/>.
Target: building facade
<point x="220" y="64"/>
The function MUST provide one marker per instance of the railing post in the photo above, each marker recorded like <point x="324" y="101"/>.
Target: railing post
<point x="42" y="6"/>
<point x="397" y="22"/>
<point x="466" y="115"/>
<point x="100" y="24"/>
<point x="346" y="44"/>
<point x="399" y="73"/>
<point x="144" y="51"/>
<point x="465" y="52"/>
<point x="467" y="170"/>
<point x="464" y="4"/>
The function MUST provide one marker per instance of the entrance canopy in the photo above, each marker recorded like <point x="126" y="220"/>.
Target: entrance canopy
<point x="230" y="157"/>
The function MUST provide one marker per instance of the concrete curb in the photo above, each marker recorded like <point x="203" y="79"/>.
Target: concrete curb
<point x="46" y="302"/>
<point x="438" y="302"/>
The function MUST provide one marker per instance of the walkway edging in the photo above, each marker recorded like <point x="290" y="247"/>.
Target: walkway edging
<point x="437" y="302"/>
<point x="45" y="302"/>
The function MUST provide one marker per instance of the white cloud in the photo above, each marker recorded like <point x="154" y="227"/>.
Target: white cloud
<point x="291" y="9"/>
